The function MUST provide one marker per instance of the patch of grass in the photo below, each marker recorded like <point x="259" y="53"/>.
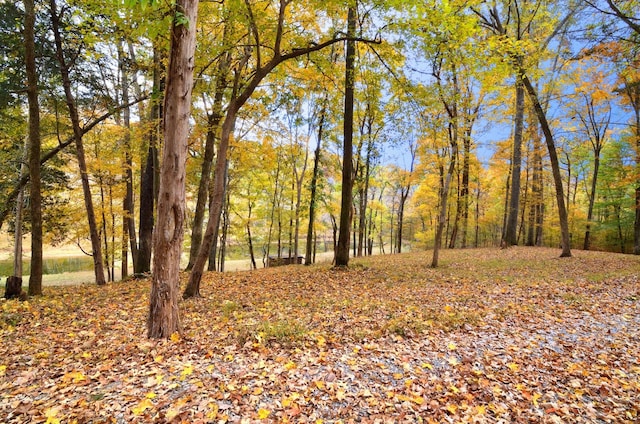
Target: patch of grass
<point x="404" y="326"/>
<point x="573" y="299"/>
<point x="284" y="332"/>
<point x="454" y="319"/>
<point x="228" y="308"/>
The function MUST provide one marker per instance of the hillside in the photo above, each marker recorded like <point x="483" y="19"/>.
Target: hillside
<point x="513" y="335"/>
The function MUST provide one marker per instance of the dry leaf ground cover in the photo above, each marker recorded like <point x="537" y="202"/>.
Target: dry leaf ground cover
<point x="515" y="335"/>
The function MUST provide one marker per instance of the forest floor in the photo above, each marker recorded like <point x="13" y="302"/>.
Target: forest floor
<point x="515" y="335"/>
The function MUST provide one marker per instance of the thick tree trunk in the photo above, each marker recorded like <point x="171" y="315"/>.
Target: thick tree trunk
<point x="35" y="196"/>
<point x="555" y="167"/>
<point x="342" y="253"/>
<point x="511" y="231"/>
<point x="164" y="316"/>
<point x="77" y="133"/>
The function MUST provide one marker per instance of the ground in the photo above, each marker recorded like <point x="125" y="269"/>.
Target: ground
<point x="515" y="335"/>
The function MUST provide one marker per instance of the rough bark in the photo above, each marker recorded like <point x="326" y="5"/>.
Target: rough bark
<point x="164" y="316"/>
<point x="342" y="252"/>
<point x="80" y="154"/>
<point x="13" y="288"/>
<point x="35" y="196"/>
<point x="511" y="230"/>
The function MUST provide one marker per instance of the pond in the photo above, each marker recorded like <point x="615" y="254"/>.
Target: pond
<point x="51" y="265"/>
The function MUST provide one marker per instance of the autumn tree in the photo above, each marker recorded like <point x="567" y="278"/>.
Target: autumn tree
<point x="495" y="18"/>
<point x="342" y="249"/>
<point x="263" y="58"/>
<point x="80" y="153"/>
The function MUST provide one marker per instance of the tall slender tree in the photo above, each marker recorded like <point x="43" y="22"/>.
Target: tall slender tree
<point x="80" y="154"/>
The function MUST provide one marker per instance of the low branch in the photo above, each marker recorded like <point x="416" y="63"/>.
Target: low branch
<point x="22" y="181"/>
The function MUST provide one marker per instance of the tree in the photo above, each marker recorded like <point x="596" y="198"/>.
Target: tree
<point x="493" y="21"/>
<point x="262" y="67"/>
<point x="164" y="316"/>
<point x="342" y="251"/>
<point x="35" y="197"/>
<point x="594" y="117"/>
<point x="80" y="154"/>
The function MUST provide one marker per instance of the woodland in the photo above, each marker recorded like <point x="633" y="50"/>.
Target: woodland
<point x="165" y="137"/>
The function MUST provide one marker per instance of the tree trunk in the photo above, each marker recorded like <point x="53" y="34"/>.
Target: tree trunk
<point x="275" y="203"/>
<point x="555" y="167"/>
<point x="148" y="179"/>
<point x="35" y="196"/>
<point x="203" y="189"/>
<point x="634" y="96"/>
<point x="217" y="202"/>
<point x="77" y="133"/>
<point x="465" y="186"/>
<point x="362" y="226"/>
<point x="128" y="221"/>
<point x="444" y="196"/>
<point x="250" y="241"/>
<point x="19" y="220"/>
<point x="592" y="199"/>
<point x="213" y="125"/>
<point x="314" y="184"/>
<point x="511" y="230"/>
<point x="164" y="316"/>
<point x="13" y="288"/>
<point x="342" y="253"/>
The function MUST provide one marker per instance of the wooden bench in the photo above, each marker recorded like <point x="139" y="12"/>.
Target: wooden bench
<point x="275" y="261"/>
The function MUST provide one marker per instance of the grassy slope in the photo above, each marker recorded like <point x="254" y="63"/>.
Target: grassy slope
<point x="517" y="334"/>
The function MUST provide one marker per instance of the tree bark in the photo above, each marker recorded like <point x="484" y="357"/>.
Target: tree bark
<point x="164" y="316"/>
<point x="148" y="181"/>
<point x="35" y="191"/>
<point x="342" y="252"/>
<point x="511" y="230"/>
<point x="77" y="133"/>
<point x="555" y="166"/>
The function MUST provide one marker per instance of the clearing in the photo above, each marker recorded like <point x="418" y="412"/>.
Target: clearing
<point x="516" y="335"/>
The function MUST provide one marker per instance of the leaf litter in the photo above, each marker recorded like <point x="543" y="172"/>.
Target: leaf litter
<point x="516" y="335"/>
